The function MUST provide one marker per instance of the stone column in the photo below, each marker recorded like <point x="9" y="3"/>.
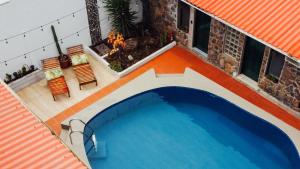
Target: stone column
<point x="216" y="42"/>
<point x="94" y="21"/>
<point x="163" y="15"/>
<point x="290" y="81"/>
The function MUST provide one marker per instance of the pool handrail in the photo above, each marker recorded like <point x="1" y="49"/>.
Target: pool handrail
<point x="81" y="132"/>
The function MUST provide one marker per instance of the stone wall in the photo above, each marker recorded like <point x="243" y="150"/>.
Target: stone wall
<point x="287" y="89"/>
<point x="229" y="64"/>
<point x="216" y="42"/>
<point x="94" y="21"/>
<point x="164" y="18"/>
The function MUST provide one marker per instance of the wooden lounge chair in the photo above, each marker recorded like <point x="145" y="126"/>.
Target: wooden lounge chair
<point x="83" y="72"/>
<point x="57" y="85"/>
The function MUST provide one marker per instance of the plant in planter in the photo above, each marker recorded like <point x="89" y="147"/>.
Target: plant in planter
<point x="25" y="70"/>
<point x="64" y="59"/>
<point x="116" y="66"/>
<point x="8" y="78"/>
<point x="116" y="40"/>
<point x="122" y="16"/>
<point x="163" y="38"/>
<point x="32" y="68"/>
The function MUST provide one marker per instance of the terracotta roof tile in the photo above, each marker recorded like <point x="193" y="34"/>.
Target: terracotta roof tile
<point x="276" y="22"/>
<point x="25" y="142"/>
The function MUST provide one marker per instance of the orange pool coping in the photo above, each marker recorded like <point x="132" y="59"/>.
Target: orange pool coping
<point x="175" y="61"/>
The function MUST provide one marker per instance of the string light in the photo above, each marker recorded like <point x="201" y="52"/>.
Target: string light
<point x="58" y="20"/>
<point x="43" y="48"/>
<point x="41" y="28"/>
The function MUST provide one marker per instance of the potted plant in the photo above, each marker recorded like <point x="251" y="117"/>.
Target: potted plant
<point x="32" y="68"/>
<point x="64" y="59"/>
<point x="8" y="78"/>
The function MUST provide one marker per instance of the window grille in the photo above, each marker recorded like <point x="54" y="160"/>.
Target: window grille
<point x="232" y="44"/>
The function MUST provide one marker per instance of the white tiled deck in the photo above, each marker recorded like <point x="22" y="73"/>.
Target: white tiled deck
<point x="38" y="98"/>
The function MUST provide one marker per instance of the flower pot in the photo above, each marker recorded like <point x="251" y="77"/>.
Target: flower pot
<point x="65" y="61"/>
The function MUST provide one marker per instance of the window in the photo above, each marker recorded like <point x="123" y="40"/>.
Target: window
<point x="232" y="43"/>
<point x="275" y="65"/>
<point x="183" y="16"/>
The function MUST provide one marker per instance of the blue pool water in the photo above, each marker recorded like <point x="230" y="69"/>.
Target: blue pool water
<point x="181" y="128"/>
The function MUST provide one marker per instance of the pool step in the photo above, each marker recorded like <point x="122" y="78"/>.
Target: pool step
<point x="100" y="149"/>
<point x="100" y="152"/>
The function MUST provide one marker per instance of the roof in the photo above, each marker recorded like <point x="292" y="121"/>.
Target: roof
<point x="273" y="21"/>
<point x="25" y="142"/>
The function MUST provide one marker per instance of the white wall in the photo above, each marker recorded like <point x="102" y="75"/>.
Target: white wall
<point x="19" y="16"/>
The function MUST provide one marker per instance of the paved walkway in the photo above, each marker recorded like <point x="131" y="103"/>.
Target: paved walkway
<point x="175" y="61"/>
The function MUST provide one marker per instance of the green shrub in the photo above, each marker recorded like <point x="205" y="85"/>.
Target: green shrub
<point x="116" y="66"/>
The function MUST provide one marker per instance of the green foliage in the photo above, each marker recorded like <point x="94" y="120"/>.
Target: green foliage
<point x="56" y="40"/>
<point x="163" y="38"/>
<point x="8" y="78"/>
<point x="116" y="65"/>
<point x="32" y="68"/>
<point x="25" y="69"/>
<point x="121" y="15"/>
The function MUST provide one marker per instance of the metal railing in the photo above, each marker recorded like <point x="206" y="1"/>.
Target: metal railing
<point x="87" y="136"/>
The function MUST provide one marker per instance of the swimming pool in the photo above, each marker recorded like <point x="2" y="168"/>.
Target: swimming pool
<point x="176" y="127"/>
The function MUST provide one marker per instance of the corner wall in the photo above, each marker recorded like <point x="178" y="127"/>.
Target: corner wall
<point x="164" y="18"/>
<point x="287" y="90"/>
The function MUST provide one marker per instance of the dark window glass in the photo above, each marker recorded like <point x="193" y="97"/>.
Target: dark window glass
<point x="201" y="33"/>
<point x="183" y="16"/>
<point x="252" y="60"/>
<point x="275" y="65"/>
